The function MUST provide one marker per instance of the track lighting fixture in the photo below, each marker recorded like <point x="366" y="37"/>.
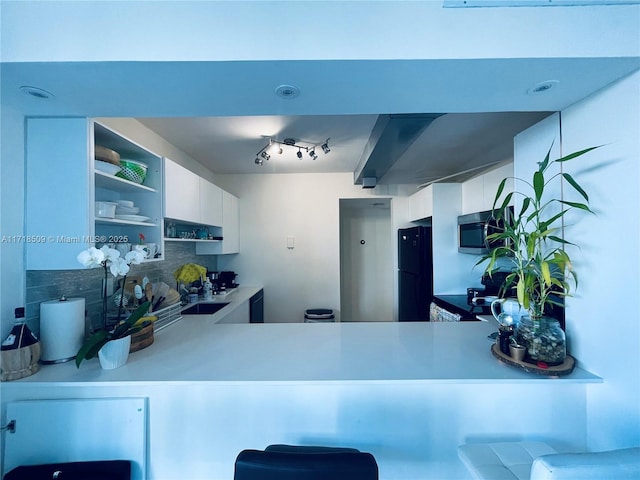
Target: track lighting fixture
<point x="275" y="147"/>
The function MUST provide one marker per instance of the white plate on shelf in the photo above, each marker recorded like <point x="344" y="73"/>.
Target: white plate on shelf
<point x="132" y="218"/>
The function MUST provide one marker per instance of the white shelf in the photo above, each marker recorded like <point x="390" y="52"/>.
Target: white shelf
<point x="199" y="240"/>
<point x="123" y="222"/>
<point x="105" y="180"/>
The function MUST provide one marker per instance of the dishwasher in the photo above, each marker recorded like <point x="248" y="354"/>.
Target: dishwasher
<point x="256" y="307"/>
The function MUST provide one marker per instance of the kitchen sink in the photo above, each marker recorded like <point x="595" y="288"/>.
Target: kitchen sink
<point x="204" y="308"/>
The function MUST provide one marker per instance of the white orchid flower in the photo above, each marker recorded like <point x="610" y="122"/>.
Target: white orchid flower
<point x="119" y="267"/>
<point x="91" y="257"/>
<point x="134" y="257"/>
<point x="110" y="254"/>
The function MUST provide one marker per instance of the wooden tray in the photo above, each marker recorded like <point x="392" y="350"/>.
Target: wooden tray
<point x="564" y="368"/>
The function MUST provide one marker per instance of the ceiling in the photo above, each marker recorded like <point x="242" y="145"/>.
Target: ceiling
<point x="204" y="75"/>
<point x="222" y="113"/>
<point x="453" y="147"/>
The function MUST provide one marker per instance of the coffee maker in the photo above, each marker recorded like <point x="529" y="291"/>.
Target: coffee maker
<point x="227" y="280"/>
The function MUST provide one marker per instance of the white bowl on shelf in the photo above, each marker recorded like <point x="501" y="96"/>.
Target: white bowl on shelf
<point x="106" y="209"/>
<point x="125" y="203"/>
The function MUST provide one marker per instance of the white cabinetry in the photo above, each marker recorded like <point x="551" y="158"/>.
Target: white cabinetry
<point x="230" y="229"/>
<point x="210" y="203"/>
<point x="62" y="186"/>
<point x="190" y="198"/>
<point x="421" y="204"/>
<point x="181" y="193"/>
<point x="479" y="192"/>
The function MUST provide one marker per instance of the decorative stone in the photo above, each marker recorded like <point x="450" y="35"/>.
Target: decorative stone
<point x="544" y="339"/>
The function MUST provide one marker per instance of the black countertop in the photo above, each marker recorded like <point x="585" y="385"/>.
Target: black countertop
<point x="458" y="304"/>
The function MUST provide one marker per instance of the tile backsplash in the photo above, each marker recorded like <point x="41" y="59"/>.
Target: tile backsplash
<point x="44" y="285"/>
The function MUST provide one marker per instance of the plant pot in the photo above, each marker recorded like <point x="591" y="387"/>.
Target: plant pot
<point x="114" y="353"/>
<point x="543" y="338"/>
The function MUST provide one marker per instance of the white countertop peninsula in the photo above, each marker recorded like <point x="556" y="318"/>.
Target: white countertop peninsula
<point x="409" y="393"/>
<point x="198" y="348"/>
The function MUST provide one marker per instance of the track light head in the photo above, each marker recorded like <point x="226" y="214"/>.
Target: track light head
<point x="325" y="147"/>
<point x="299" y="154"/>
<point x="258" y="161"/>
<point x="265" y="155"/>
<point x="312" y="154"/>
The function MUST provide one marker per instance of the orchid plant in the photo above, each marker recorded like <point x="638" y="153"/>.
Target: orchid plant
<point x="111" y="261"/>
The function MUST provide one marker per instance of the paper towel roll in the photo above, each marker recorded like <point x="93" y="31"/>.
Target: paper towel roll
<point x="61" y="329"/>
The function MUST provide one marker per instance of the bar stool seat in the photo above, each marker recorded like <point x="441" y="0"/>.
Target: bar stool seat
<point x="290" y="462"/>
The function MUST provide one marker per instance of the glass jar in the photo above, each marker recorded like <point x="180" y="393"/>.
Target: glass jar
<point x="545" y="340"/>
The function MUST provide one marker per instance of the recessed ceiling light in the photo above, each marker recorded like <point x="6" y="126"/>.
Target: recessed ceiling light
<point x="36" y="92"/>
<point x="288" y="91"/>
<point x="543" y="87"/>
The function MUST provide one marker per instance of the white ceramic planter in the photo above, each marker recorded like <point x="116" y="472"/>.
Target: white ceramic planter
<point x="115" y="353"/>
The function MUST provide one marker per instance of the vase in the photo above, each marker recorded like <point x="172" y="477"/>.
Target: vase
<point x="114" y="353"/>
<point x="544" y="339"/>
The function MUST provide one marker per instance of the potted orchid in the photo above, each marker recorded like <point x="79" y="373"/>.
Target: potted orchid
<point x="111" y="261"/>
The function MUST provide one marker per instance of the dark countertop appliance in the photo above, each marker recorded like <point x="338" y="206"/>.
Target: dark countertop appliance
<point x="227" y="279"/>
<point x="415" y="273"/>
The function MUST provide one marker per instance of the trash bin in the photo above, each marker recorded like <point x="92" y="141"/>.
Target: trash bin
<point x="317" y="315"/>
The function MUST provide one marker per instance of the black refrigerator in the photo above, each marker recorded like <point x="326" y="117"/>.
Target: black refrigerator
<point x="415" y="274"/>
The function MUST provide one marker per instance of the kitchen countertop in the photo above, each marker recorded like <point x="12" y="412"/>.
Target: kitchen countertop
<point x="197" y="349"/>
<point x="458" y="304"/>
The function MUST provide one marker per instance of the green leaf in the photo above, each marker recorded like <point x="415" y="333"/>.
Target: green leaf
<point x="545" y="163"/>
<point x="505" y="204"/>
<point x="581" y="206"/>
<point x="577" y="154"/>
<point x="538" y="184"/>
<point x="88" y="349"/>
<point x="575" y="185"/>
<point x="499" y="192"/>
<point x="522" y="299"/>
<point x="525" y="205"/>
<point x="546" y="274"/>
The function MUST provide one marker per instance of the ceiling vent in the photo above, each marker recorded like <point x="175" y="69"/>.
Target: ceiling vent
<point x="390" y="137"/>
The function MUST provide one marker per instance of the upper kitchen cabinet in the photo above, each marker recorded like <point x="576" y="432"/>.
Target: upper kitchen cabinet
<point x="190" y="198"/>
<point x="230" y="229"/>
<point x="60" y="156"/>
<point x="421" y="204"/>
<point x="210" y="203"/>
<point x="479" y="192"/>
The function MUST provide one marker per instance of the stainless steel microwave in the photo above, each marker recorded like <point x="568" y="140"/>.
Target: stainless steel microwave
<point x="473" y="230"/>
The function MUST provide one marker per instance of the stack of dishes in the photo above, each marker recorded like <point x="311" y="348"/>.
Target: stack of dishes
<point x="107" y="160"/>
<point x="126" y="210"/>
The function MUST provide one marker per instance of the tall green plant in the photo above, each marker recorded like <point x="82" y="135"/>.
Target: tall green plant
<point x="532" y="238"/>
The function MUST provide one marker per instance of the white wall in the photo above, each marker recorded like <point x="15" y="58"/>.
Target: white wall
<point x="602" y="316"/>
<point x="305" y="206"/>
<point x="12" y="275"/>
<point x="603" y="319"/>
